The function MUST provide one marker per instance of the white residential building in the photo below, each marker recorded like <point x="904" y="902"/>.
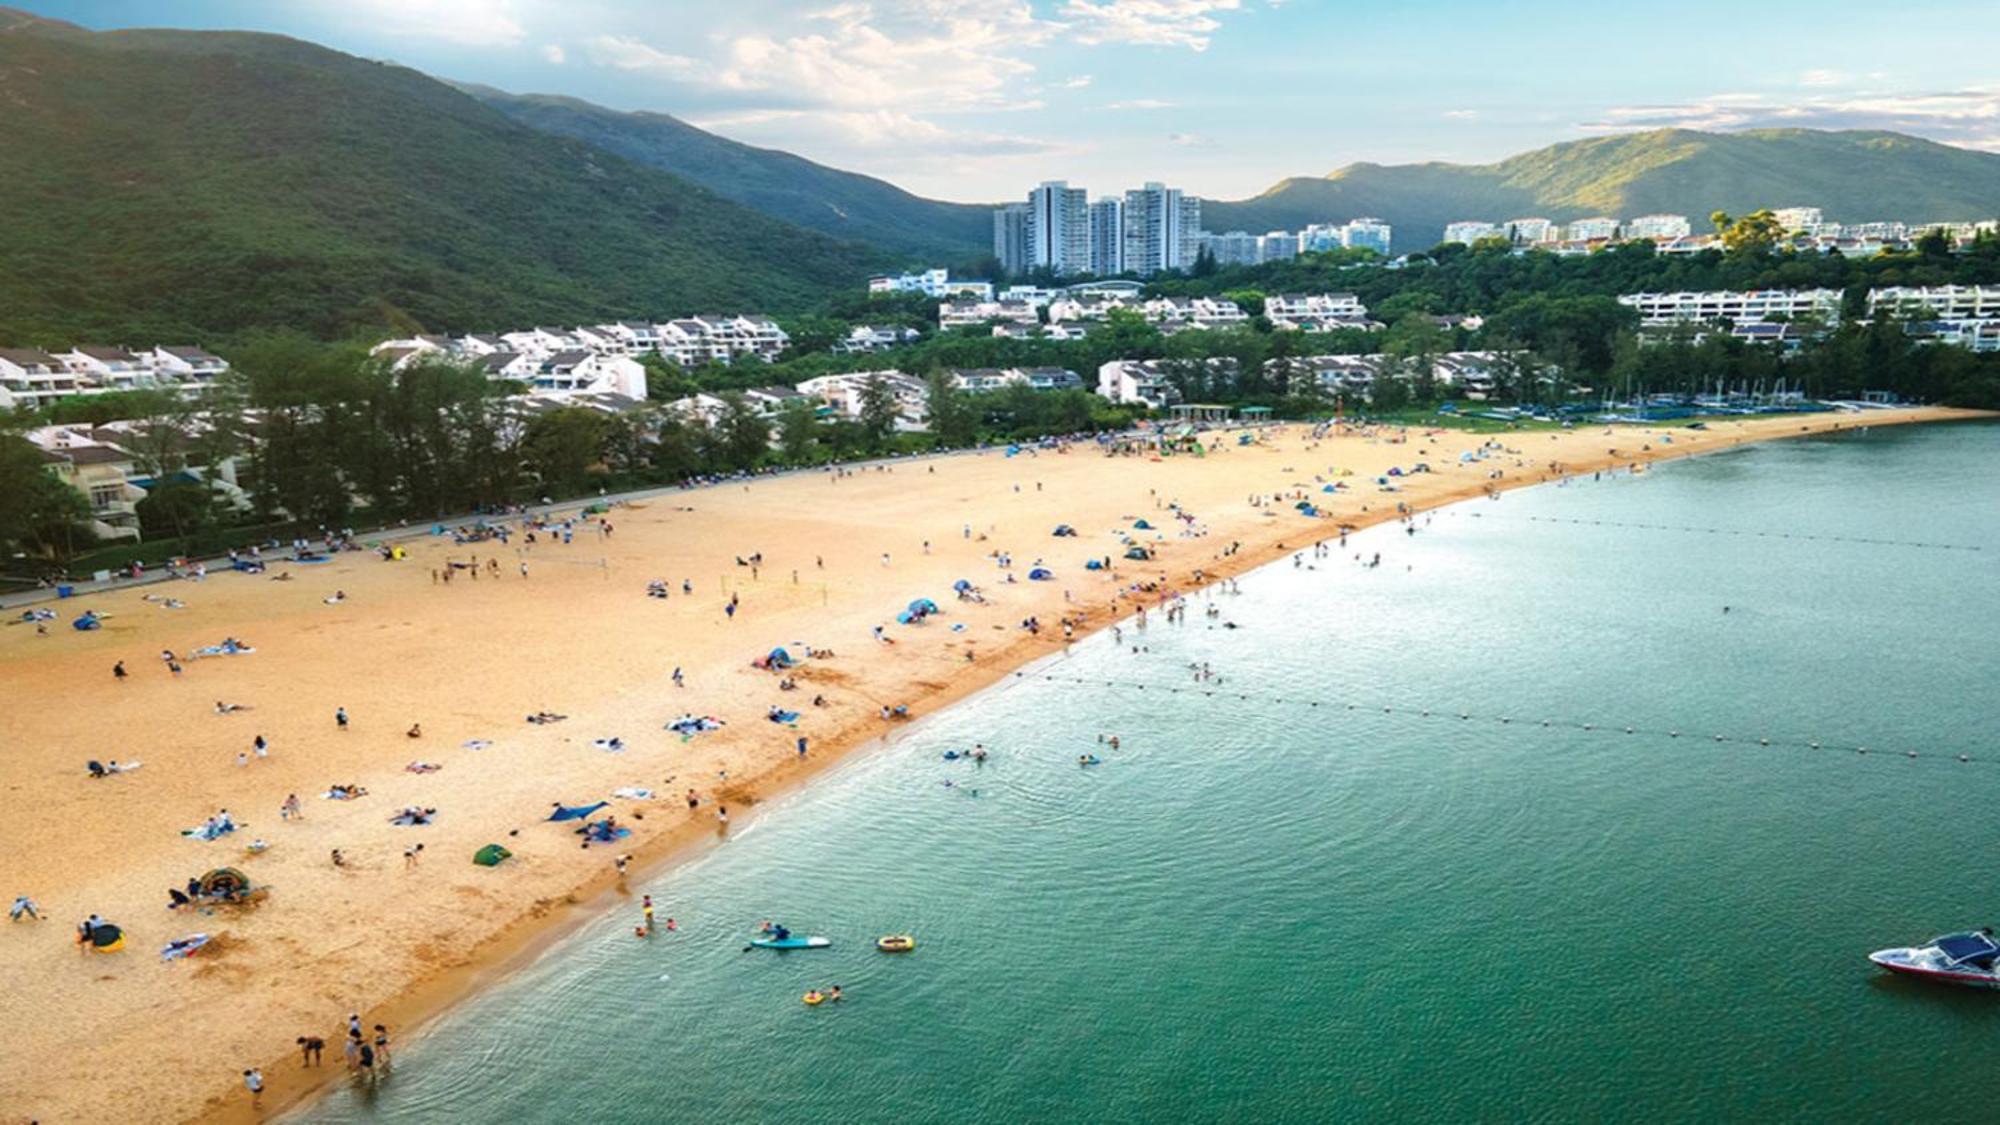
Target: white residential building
<point x="584" y="372"/>
<point x="187" y="364"/>
<point x="1059" y="228"/>
<point x="1289" y="306"/>
<point x="1938" y="302"/>
<point x="1141" y="381"/>
<point x="1469" y="231"/>
<point x="1593" y="230"/>
<point x="1973" y="335"/>
<point x="875" y="338"/>
<point x="1162" y="229"/>
<point x="1029" y="294"/>
<point x="1233" y="248"/>
<point x="1277" y="246"/>
<point x="1527" y="232"/>
<point x="112" y="369"/>
<point x="1367" y="234"/>
<point x="1195" y="312"/>
<point x="1074" y="307"/>
<point x="844" y="394"/>
<point x="1107" y="236"/>
<point x="1800" y="220"/>
<point x="1659" y="228"/>
<point x="1010" y="237"/>
<point x="971" y="314"/>
<point x="1754" y="306"/>
<point x="932" y="283"/>
<point x="31" y="379"/>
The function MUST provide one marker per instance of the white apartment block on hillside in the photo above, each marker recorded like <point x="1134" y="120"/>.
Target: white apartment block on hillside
<point x="1162" y="229"/>
<point x="1469" y="231"/>
<point x="972" y="314"/>
<point x="1752" y="307"/>
<point x="1596" y="229"/>
<point x="1528" y="231"/>
<point x="30" y="378"/>
<point x="1938" y="302"/>
<point x="931" y="283"/>
<point x="1659" y="228"/>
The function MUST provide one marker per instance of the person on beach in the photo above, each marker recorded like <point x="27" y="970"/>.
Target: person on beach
<point x="310" y="1049"/>
<point x="693" y="801"/>
<point x="722" y="815"/>
<point x="382" y="1058"/>
<point x="262" y="747"/>
<point x="118" y="671"/>
<point x="352" y="1048"/>
<point x="290" y="809"/>
<point x="802" y="746"/>
<point x="365" y="1060"/>
<point x="253" y="1080"/>
<point x="621" y="862"/>
<point x="646" y="908"/>
<point x="340" y="718"/>
<point x="24" y="907"/>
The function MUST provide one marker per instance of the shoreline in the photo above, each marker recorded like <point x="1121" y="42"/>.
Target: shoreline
<point x="525" y="935"/>
<point x="513" y="951"/>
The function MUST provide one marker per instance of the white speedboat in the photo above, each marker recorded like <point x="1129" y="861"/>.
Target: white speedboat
<point x="1971" y="958"/>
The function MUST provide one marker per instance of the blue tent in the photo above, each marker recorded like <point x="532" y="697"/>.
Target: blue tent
<point x="923" y="605"/>
<point x="779" y="658"/>
<point x="1142" y="525"/>
<point x="1327" y="488"/>
<point x="961" y="586"/>
<point x="1138" y="553"/>
<point x="1040" y="574"/>
<point x="1063" y="531"/>
<point x="577" y="812"/>
<point x="1308" y="510"/>
<point x="85" y="623"/>
<point x="1093" y="564"/>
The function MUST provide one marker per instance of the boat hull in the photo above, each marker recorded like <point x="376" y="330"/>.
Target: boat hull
<point x="1905" y="962"/>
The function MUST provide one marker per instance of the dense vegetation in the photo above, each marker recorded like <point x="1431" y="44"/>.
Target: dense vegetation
<point x="1854" y="176"/>
<point x="191" y="186"/>
<point x="843" y="204"/>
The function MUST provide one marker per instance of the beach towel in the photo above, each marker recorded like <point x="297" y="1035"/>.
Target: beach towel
<point x="601" y="831"/>
<point x="208" y="831"/>
<point x="475" y="744"/>
<point x="614" y="745"/>
<point x="783" y="716"/>
<point x="182" y="947"/>
<point x="631" y="794"/>
<point x="340" y="795"/>
<point x="575" y="812"/>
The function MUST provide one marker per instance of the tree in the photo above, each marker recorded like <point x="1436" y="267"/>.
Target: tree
<point x="564" y="445"/>
<point x="743" y="434"/>
<point x="878" y="411"/>
<point x="1204" y="263"/>
<point x="40" y="514"/>
<point x="798" y="424"/>
<point x="953" y="418"/>
<point x="1751" y="235"/>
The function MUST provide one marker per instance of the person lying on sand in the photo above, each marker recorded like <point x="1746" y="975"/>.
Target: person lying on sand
<point x="546" y="717"/>
<point x="222" y="708"/>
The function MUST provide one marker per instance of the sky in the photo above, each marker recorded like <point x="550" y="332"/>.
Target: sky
<point x="978" y="100"/>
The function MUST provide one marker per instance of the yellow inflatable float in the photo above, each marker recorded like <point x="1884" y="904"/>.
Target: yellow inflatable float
<point x="896" y="943"/>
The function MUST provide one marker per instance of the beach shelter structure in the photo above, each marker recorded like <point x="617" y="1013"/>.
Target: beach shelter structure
<point x="1200" y="412"/>
<point x="1040" y="574"/>
<point x="1063" y="531"/>
<point x="1139" y="554"/>
<point x="1142" y="525"/>
<point x="575" y="812"/>
<point x="961" y="586"/>
<point x="490" y="855"/>
<point x="1093" y="564"/>
<point x="225" y="882"/>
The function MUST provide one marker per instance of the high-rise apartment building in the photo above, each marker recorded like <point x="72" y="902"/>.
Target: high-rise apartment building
<point x="1107" y="236"/>
<point x="1059" y="228"/>
<point x="1010" y="237"/>
<point x="1162" y="229"/>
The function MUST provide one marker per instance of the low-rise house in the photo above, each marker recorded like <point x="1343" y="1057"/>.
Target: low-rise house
<point x="582" y="372"/>
<point x="187" y="364"/>
<point x="1152" y="383"/>
<point x="971" y="314"/>
<point x="32" y="379"/>
<point x="770" y="400"/>
<point x="844" y="396"/>
<point x="1050" y="378"/>
<point x="1739" y="307"/>
<point x="983" y="378"/>
<point x="111" y="369"/>
<point x="1198" y="312"/>
<point x="874" y="338"/>
<point x="102" y="471"/>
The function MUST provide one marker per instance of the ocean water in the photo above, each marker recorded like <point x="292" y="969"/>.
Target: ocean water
<point x="1319" y="909"/>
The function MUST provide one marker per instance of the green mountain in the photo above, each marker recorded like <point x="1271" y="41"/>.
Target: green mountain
<point x="189" y="185"/>
<point x="788" y="187"/>
<point x="1852" y="176"/>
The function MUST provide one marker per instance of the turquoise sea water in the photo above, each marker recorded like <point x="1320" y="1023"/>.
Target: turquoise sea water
<point x="1263" y="911"/>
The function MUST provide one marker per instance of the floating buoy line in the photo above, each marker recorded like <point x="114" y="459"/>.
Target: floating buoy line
<point x="1619" y="729"/>
<point x="1744" y="532"/>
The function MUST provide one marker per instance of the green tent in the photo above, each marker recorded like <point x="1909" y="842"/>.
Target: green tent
<point x="490" y="855"/>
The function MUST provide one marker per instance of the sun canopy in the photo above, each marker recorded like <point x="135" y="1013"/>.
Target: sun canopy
<point x="575" y="812"/>
<point x="1960" y="949"/>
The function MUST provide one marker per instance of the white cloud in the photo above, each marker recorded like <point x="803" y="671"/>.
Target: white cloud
<point x="875" y="130"/>
<point x="1461" y="114"/>
<point x="1969" y="118"/>
<point x="466" y="23"/>
<point x="1189" y="140"/>
<point x="1077" y="83"/>
<point x="554" y="53"/>
<point x="1153" y="23"/>
<point x="622" y="52"/>
<point x="1141" y="103"/>
<point x="1821" y="78"/>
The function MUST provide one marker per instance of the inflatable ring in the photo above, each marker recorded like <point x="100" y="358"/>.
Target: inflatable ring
<point x="896" y="943"/>
<point x="814" y="997"/>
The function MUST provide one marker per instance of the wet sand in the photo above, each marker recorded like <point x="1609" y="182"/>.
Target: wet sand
<point x="128" y="1035"/>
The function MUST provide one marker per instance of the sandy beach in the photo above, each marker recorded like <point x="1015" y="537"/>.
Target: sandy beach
<point x="569" y="628"/>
